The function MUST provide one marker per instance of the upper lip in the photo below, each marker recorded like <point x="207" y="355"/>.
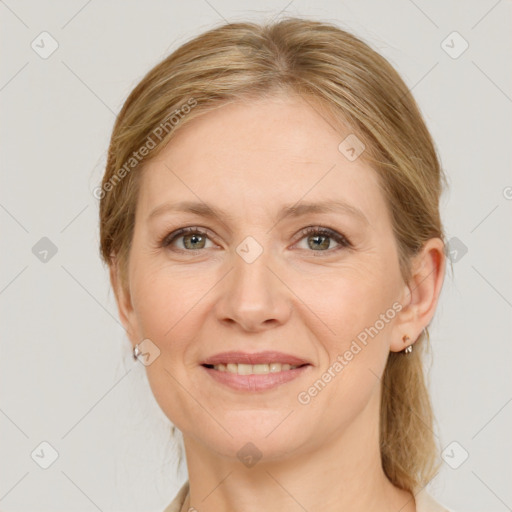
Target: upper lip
<point x="265" y="357"/>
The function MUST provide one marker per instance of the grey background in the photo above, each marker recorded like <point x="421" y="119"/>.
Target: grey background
<point x="66" y="376"/>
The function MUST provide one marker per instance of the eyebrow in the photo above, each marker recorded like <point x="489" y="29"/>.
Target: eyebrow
<point x="297" y="210"/>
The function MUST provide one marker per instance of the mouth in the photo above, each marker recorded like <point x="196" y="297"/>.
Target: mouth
<point x="254" y="378"/>
<point x="253" y="369"/>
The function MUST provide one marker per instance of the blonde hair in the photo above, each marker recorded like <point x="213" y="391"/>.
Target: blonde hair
<point x="354" y="87"/>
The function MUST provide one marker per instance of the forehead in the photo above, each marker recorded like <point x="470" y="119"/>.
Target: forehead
<point x="270" y="151"/>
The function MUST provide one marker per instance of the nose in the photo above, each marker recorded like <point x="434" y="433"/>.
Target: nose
<point x="254" y="296"/>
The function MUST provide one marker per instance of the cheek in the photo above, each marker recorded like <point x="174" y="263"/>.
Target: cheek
<point x="167" y="305"/>
<point x="357" y="307"/>
<point x="163" y="298"/>
<point x="335" y="305"/>
<point x="347" y="301"/>
<point x="355" y="346"/>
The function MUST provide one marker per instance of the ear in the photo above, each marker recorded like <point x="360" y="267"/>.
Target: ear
<point x="420" y="296"/>
<point x="124" y="303"/>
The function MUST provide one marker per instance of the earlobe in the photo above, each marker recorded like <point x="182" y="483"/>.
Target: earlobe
<point x="421" y="294"/>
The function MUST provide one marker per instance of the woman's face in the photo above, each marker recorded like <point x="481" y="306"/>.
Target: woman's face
<point x="252" y="280"/>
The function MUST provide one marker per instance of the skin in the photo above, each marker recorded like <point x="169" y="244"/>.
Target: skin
<point x="253" y="158"/>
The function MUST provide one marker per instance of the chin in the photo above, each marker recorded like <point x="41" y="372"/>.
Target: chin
<point x="251" y="450"/>
<point x="268" y="438"/>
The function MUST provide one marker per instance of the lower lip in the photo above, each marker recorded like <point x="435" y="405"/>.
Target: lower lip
<point x="260" y="382"/>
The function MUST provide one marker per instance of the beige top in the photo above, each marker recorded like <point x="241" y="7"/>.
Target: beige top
<point x="424" y="501"/>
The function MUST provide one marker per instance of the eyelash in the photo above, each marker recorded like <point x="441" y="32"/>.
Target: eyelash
<point x="342" y="240"/>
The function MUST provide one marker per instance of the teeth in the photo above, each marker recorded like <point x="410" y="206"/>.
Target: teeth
<point x="258" y="369"/>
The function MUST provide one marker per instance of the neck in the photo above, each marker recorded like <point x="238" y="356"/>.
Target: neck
<point x="343" y="472"/>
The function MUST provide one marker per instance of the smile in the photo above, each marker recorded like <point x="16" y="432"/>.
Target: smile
<point x="254" y="378"/>
<point x="253" y="369"/>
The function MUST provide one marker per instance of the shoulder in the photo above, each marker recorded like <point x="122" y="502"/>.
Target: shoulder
<point x="425" y="502"/>
<point x="179" y="499"/>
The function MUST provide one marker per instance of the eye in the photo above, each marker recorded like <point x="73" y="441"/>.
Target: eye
<point x="193" y="239"/>
<point x="319" y="239"/>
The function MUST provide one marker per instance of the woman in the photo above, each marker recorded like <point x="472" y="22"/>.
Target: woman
<point x="270" y="217"/>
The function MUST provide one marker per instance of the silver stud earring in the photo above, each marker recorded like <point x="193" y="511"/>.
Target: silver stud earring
<point x="136" y="352"/>
<point x="408" y="349"/>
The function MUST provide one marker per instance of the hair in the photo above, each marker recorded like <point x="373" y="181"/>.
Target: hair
<point x="354" y="87"/>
